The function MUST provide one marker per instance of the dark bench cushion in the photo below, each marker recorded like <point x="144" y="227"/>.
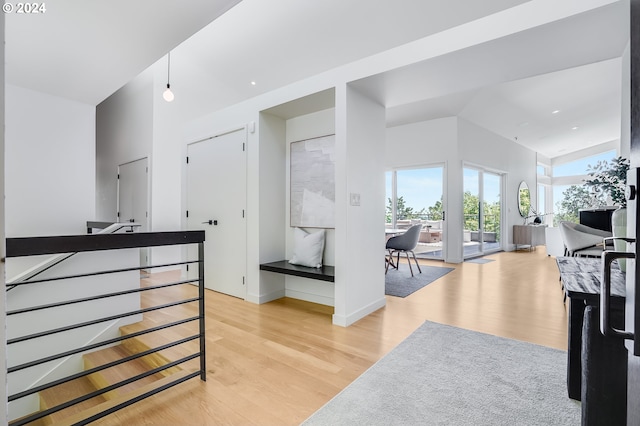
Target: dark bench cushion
<point x="326" y="273"/>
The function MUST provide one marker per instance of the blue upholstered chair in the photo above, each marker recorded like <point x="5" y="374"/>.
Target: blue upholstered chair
<point x="404" y="243"/>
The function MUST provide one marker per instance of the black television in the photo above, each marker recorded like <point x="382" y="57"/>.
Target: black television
<point x="597" y="218"/>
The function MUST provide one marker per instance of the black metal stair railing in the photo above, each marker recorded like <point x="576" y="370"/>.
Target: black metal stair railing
<point x="19" y="247"/>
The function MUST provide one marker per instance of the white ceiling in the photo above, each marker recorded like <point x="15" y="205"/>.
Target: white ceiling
<point x="86" y="50"/>
<point x="512" y="85"/>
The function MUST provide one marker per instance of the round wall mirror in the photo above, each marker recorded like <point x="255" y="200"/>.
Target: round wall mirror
<point x="524" y="199"/>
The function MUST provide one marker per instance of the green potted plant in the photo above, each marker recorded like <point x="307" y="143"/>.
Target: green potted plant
<point x="609" y="181"/>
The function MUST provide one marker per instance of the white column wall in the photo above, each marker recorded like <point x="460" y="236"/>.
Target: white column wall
<point x="272" y="210"/>
<point x="133" y="123"/>
<point x="49" y="164"/>
<point x="360" y="147"/>
<point x="166" y="165"/>
<point x="124" y="132"/>
<point x="49" y="167"/>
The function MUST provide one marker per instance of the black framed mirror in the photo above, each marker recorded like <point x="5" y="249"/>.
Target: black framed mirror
<point x="524" y="199"/>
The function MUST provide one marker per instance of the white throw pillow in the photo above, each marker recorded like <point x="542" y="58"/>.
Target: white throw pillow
<point x="307" y="248"/>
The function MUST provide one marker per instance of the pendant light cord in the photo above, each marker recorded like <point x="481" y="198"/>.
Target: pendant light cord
<point x="168" y="67"/>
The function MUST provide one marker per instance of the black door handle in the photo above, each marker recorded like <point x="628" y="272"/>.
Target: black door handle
<point x="609" y="256"/>
<point x="211" y="222"/>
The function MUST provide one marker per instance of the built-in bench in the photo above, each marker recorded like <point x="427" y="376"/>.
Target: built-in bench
<point x="325" y="273"/>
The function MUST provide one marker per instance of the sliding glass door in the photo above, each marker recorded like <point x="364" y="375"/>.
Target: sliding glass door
<point x="482" y="208"/>
<point x="415" y="196"/>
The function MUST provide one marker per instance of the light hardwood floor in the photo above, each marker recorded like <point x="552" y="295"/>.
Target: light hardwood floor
<point x="276" y="363"/>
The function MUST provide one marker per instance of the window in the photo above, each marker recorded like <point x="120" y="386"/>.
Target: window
<point x="579" y="167"/>
<point x="569" y="199"/>
<point x="573" y="195"/>
<point x="542" y="208"/>
<point x="415" y="196"/>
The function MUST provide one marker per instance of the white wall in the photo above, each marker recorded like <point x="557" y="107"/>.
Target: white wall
<point x="271" y="206"/>
<point x="360" y="140"/>
<point x="426" y="142"/>
<point x="133" y="123"/>
<point x="49" y="167"/>
<point x="485" y="148"/>
<point x="166" y="165"/>
<point x="124" y="133"/>
<point x="299" y="128"/>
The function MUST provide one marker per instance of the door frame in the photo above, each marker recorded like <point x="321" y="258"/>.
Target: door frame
<point x="184" y="202"/>
<point x="394" y="195"/>
<point x="147" y="201"/>
<point x="503" y="202"/>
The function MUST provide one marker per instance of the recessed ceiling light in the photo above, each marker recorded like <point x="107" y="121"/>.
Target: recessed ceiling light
<point x="253" y="83"/>
<point x="555" y="112"/>
<point x="574" y="128"/>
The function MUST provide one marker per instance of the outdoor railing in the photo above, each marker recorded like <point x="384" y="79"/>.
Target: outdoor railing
<point x="19" y="247"/>
<point x="491" y="222"/>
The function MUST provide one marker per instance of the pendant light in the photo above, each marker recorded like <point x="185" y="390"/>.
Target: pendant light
<point x="168" y="94"/>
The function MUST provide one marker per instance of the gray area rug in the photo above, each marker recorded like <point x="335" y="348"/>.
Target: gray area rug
<point x="443" y="375"/>
<point x="479" y="260"/>
<point x="400" y="283"/>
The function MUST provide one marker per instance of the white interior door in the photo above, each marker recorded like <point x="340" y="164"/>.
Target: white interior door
<point x="216" y="202"/>
<point x="133" y="198"/>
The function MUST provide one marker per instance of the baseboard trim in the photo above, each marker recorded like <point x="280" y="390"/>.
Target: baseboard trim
<point x="347" y="320"/>
<point x="265" y="298"/>
<point x="310" y="297"/>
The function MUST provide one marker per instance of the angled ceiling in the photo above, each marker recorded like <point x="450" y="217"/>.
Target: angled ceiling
<point x="512" y="85"/>
<point x="587" y="100"/>
<point x="85" y="51"/>
<point x="278" y="42"/>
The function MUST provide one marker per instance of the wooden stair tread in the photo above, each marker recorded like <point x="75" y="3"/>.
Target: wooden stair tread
<point x="122" y="371"/>
<point x="156" y="339"/>
<point x="122" y="398"/>
<point x="66" y="392"/>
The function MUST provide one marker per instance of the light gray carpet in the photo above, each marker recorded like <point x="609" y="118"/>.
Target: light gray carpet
<point x="442" y="375"/>
<point x="479" y="260"/>
<point x="400" y="283"/>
